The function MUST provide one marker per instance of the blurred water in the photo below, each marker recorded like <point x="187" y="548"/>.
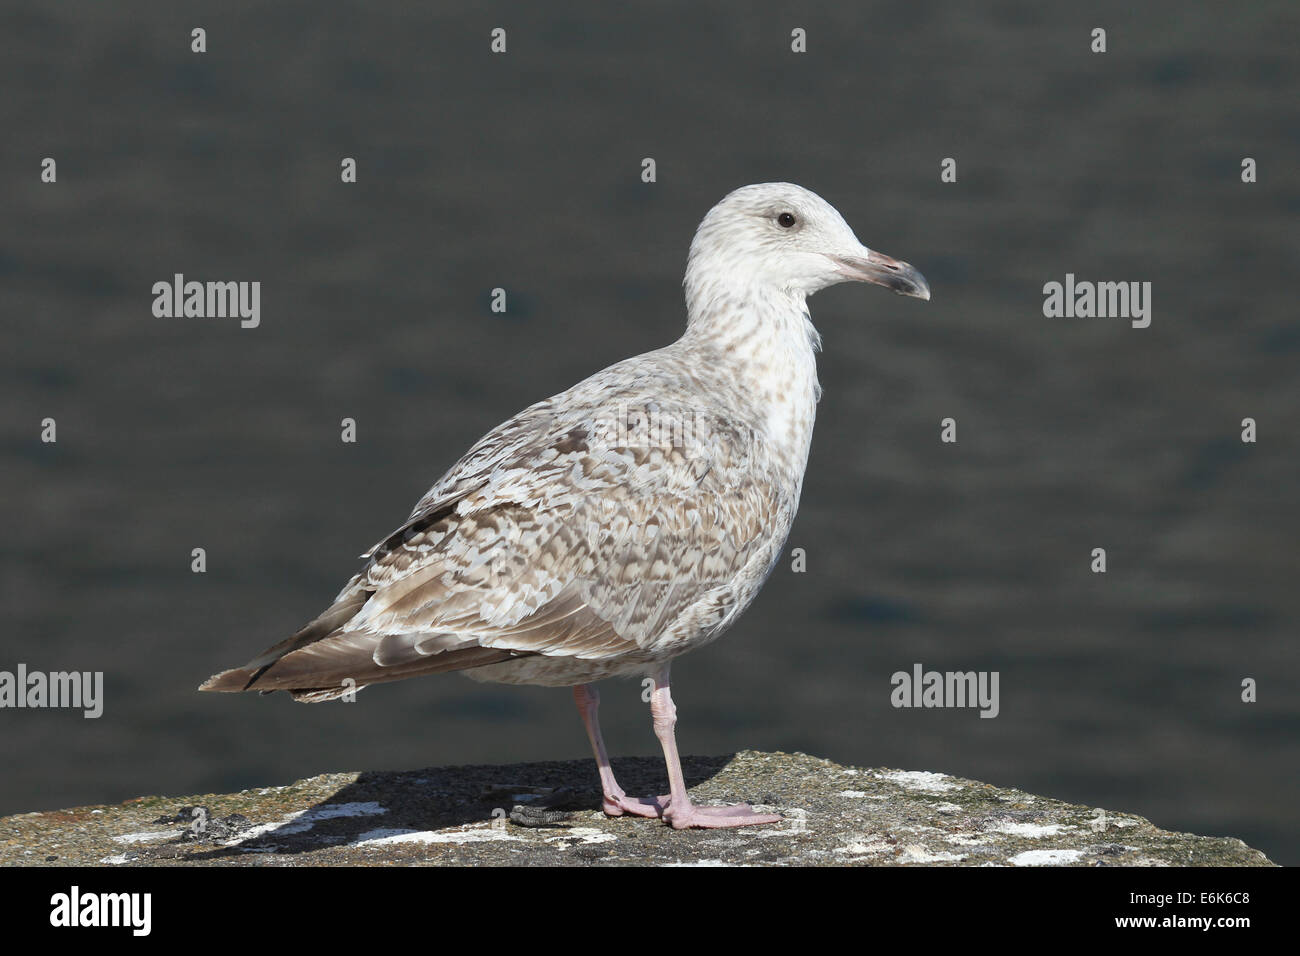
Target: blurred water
<point x="522" y="171"/>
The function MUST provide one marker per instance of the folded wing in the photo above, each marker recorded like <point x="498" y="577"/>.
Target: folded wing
<point x="550" y="537"/>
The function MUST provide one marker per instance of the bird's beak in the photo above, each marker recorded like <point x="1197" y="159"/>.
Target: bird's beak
<point x="876" y="267"/>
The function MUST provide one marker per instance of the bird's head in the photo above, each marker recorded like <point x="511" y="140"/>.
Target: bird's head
<point x="783" y="237"/>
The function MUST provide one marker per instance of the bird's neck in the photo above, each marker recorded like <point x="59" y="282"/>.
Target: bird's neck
<point x="763" y="344"/>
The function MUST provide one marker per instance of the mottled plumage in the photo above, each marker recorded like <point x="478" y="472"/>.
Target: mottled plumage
<point x="608" y="529"/>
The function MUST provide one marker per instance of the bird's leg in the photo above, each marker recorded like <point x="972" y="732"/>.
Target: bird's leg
<point x="680" y="812"/>
<point x="614" y="802"/>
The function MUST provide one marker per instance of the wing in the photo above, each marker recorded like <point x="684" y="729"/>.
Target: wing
<point x="557" y="534"/>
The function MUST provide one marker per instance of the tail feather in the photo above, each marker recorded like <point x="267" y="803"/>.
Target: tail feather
<point x="239" y="679"/>
<point x="322" y="662"/>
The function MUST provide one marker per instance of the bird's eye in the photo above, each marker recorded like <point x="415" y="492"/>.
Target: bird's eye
<point x="786" y="220"/>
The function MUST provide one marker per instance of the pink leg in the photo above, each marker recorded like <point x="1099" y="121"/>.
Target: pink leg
<point x="615" y="801"/>
<point x="680" y="812"/>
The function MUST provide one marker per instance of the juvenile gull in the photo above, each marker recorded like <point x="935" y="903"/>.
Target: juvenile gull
<point x="604" y="531"/>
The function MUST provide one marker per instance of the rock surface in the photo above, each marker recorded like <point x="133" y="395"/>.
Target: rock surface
<point x="547" y="814"/>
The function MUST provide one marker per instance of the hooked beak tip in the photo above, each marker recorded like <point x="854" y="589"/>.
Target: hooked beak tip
<point x="880" y="269"/>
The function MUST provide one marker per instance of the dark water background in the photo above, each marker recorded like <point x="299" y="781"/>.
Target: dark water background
<point x="1118" y="690"/>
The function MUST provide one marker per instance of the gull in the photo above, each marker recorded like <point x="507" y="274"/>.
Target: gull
<point x="609" y="529"/>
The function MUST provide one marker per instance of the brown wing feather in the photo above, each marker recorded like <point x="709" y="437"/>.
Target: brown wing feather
<point x="545" y="539"/>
